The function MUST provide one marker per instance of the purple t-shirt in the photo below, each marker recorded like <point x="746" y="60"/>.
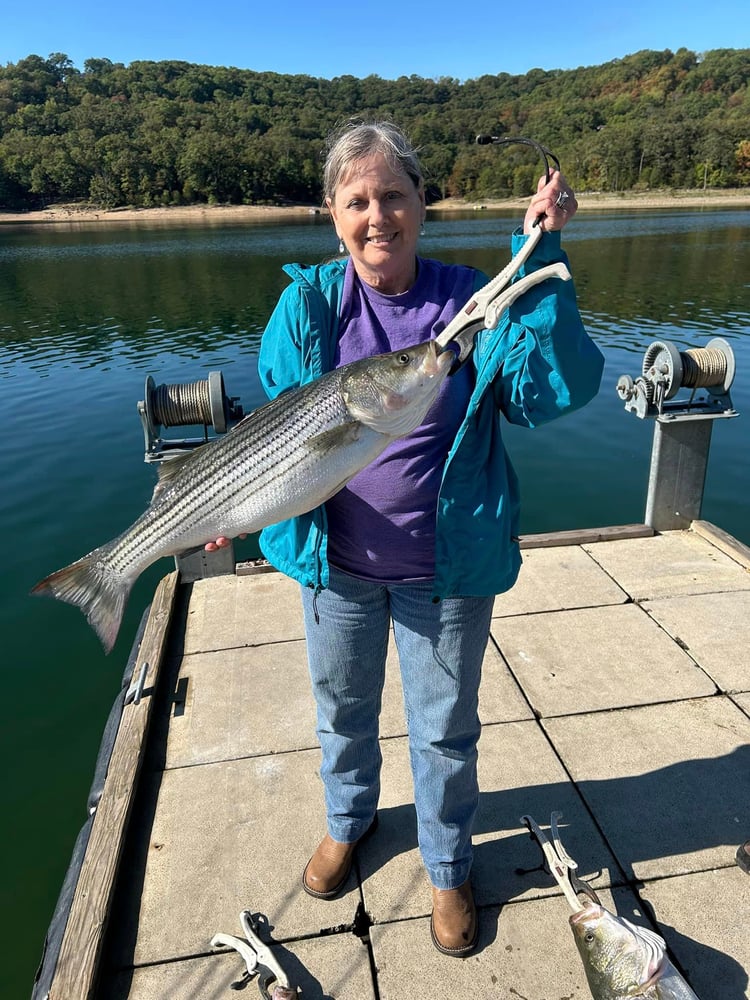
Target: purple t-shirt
<point x="382" y="524"/>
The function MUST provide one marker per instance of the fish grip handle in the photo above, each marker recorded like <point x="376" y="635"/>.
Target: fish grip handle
<point x="507" y="140"/>
<point x="559" y="863"/>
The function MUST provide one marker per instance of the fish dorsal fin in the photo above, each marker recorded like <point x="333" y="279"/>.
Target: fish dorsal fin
<point x="168" y="472"/>
<point x="245" y="420"/>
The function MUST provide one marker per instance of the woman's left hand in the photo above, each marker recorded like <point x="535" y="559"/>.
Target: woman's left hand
<point x="555" y="202"/>
<point x="222" y="542"/>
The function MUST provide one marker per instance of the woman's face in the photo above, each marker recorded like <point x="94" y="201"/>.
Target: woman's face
<point x="378" y="214"/>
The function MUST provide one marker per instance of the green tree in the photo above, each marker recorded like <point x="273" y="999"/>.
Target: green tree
<point x="171" y="131"/>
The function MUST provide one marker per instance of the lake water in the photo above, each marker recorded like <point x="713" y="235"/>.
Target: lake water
<point x="87" y="312"/>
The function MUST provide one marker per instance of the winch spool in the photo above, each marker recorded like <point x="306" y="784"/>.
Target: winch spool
<point x="203" y="403"/>
<point x="707" y="368"/>
<point x="187" y="403"/>
<point x="710" y="367"/>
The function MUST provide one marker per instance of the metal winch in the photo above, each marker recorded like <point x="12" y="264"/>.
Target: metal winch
<point x="684" y="392"/>
<point x="667" y="371"/>
<point x="189" y="404"/>
<point x="203" y="403"/>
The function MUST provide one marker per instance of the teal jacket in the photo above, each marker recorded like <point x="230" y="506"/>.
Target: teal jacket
<point x="537" y="364"/>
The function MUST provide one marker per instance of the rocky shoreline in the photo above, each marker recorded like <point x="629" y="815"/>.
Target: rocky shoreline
<point x="77" y="213"/>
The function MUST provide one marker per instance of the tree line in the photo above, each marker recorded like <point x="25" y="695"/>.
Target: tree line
<point x="175" y="133"/>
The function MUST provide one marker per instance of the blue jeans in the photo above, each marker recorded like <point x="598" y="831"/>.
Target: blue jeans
<point x="441" y="647"/>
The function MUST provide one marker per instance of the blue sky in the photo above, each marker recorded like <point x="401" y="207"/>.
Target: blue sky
<point x="389" y="38"/>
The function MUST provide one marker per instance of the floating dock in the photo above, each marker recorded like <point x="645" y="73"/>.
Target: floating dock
<point x="616" y="690"/>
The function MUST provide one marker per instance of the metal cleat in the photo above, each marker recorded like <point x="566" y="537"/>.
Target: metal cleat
<point x="559" y="863"/>
<point x="273" y="982"/>
<point x="485" y="307"/>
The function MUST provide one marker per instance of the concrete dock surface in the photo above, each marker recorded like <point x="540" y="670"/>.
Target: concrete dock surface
<point x="616" y="691"/>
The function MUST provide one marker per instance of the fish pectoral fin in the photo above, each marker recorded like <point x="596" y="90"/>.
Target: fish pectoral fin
<point x="335" y="437"/>
<point x="335" y="489"/>
<point x="168" y="471"/>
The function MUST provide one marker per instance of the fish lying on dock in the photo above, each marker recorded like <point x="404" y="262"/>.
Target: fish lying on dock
<point x="624" y="961"/>
<point x="282" y="460"/>
<point x="621" y="961"/>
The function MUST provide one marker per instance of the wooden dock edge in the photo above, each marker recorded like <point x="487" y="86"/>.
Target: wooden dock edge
<point x="585" y="536"/>
<point x="75" y="973"/>
<point x="728" y="544"/>
<point x="575" y="536"/>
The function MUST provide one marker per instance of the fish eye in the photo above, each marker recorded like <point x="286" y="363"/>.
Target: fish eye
<point x="589" y="937"/>
<point x="403" y="359"/>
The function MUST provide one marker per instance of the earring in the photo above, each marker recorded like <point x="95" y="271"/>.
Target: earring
<point x="342" y="248"/>
<point x="421" y="229"/>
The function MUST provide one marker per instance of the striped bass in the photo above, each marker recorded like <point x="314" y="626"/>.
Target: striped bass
<point x="623" y="961"/>
<point x="282" y="460"/>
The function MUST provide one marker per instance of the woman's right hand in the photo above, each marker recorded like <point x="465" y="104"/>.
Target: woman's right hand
<point x="553" y="205"/>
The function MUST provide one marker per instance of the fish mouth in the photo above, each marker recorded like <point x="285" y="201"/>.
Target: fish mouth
<point x="587" y="913"/>
<point x="436" y="361"/>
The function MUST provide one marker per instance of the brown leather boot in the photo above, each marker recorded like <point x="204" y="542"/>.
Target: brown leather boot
<point x="454" y="925"/>
<point x="328" y="869"/>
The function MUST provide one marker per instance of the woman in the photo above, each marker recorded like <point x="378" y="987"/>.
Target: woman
<point x="425" y="536"/>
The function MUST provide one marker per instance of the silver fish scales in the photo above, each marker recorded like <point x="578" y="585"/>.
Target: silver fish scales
<point x="282" y="460"/>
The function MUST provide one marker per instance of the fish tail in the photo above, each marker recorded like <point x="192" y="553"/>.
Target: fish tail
<point x="94" y="586"/>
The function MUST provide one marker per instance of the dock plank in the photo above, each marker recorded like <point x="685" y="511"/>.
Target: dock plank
<point x="231" y="611"/>
<point x="526" y="949"/>
<point x="582" y="536"/>
<point x="668" y="565"/>
<point x="714" y="629"/>
<point x="558" y="578"/>
<point x="229" y="836"/>
<point x="722" y="540"/>
<point x="668" y="783"/>
<point x="76" y="969"/>
<point x="578" y="661"/>
<point x="308" y="966"/>
<point x="231" y="706"/>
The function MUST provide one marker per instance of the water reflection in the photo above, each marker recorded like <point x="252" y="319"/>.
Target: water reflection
<point x="178" y="300"/>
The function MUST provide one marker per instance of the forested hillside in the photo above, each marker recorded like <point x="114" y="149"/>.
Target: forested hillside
<point x="160" y="133"/>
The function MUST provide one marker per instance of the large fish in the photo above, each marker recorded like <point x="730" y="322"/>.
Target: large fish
<point x="625" y="961"/>
<point x="282" y="460"/>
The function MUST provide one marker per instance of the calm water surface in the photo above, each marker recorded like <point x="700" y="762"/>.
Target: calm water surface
<point x="86" y="313"/>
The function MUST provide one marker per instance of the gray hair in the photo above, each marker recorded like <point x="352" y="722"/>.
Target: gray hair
<point x="357" y="140"/>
